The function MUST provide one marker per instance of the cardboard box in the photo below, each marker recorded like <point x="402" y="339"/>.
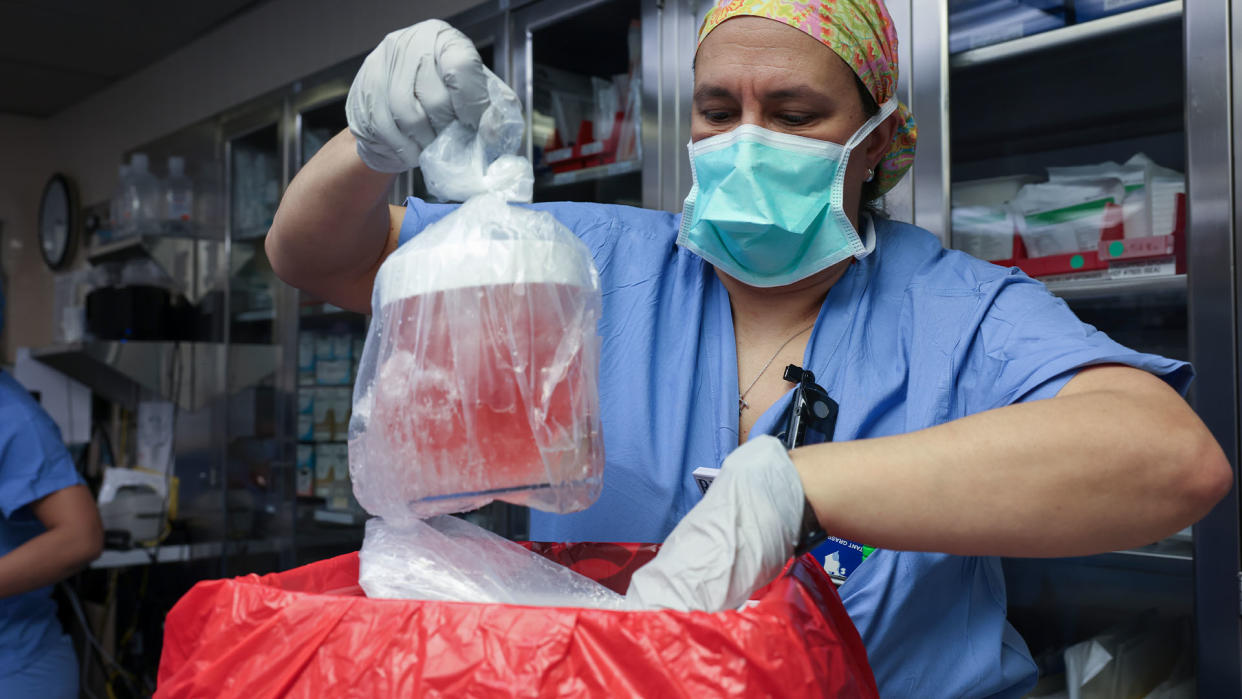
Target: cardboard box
<point x="306" y="358"/>
<point x="331" y="466"/>
<point x="305" y="473"/>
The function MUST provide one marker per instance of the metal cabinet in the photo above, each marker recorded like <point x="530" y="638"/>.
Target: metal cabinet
<point x="993" y="104"/>
<point x="607" y="87"/>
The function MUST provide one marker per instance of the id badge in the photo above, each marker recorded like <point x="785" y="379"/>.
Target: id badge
<point x="840" y="557"/>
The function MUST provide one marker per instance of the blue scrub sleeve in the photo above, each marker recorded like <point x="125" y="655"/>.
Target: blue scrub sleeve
<point x="420" y="214"/>
<point x="1030" y="344"/>
<point x="33" y="460"/>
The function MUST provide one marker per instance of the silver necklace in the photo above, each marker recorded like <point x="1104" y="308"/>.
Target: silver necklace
<point x="741" y="397"/>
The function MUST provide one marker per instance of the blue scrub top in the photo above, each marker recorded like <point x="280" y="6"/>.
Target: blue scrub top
<point x="33" y="463"/>
<point x="910" y="337"/>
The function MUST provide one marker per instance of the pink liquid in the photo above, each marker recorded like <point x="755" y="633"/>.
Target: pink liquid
<point x="488" y="390"/>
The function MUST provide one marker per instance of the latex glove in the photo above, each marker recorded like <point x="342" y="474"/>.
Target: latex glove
<point x="736" y="540"/>
<point x="410" y="88"/>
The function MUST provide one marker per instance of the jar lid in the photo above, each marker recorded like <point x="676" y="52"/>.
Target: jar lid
<point x="478" y="262"/>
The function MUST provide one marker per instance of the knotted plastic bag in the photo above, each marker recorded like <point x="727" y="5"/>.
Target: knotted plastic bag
<point x="478" y="378"/>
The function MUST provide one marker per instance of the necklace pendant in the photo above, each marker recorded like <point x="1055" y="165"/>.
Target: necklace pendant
<point x="742" y="404"/>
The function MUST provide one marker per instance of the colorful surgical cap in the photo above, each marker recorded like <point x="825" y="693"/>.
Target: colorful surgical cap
<point x="860" y="32"/>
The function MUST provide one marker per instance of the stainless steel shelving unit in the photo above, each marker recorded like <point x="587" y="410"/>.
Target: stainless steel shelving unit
<point x="1199" y="577"/>
<point x="592" y="173"/>
<point x="1104" y="288"/>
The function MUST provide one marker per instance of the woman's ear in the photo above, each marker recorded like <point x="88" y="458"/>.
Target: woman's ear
<point x="877" y="144"/>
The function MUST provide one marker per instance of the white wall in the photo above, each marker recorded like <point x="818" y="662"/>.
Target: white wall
<point x="271" y="46"/>
<point x="27" y="286"/>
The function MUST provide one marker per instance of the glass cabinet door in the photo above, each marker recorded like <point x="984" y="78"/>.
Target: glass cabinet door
<point x="1067" y="158"/>
<point x="578" y="67"/>
<point x="257" y="500"/>
<point x="327" y="345"/>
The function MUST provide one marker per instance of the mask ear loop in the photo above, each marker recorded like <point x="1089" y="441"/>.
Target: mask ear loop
<point x="838" y="186"/>
<point x="692" y="197"/>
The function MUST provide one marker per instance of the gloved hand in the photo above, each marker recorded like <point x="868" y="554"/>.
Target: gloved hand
<point x="410" y="88"/>
<point x="736" y="540"/>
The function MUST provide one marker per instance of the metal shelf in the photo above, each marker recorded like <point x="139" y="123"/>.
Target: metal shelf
<point x="255" y="316"/>
<point x="1073" y="34"/>
<point x="315" y="310"/>
<point x="197" y="265"/>
<point x="589" y="174"/>
<point x="181" y="553"/>
<point x="1103" y="288"/>
<point x="1170" y="557"/>
<point x="187" y="373"/>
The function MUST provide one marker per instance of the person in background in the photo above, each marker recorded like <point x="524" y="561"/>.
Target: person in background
<point x="50" y="529"/>
<point x="978" y="416"/>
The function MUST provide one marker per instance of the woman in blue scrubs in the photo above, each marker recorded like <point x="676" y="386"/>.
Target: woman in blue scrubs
<point x="978" y="417"/>
<point x="49" y="530"/>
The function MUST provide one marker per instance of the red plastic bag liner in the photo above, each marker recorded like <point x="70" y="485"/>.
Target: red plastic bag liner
<point x="310" y="632"/>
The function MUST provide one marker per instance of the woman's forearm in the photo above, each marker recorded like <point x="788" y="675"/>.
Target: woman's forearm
<point x="332" y="228"/>
<point x="44" y="560"/>
<point x="1116" y="460"/>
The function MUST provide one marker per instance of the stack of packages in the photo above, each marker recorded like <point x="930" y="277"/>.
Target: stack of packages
<point x="1068" y="213"/>
<point x="977" y="23"/>
<point x="477" y="383"/>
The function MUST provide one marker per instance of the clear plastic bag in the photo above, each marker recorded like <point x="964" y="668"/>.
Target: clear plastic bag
<point x="446" y="558"/>
<point x="462" y="162"/>
<point x="478" y="378"/>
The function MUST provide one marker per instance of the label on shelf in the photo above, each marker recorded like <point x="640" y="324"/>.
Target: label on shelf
<point x="1147" y="268"/>
<point x="331" y="517"/>
<point x="555" y="156"/>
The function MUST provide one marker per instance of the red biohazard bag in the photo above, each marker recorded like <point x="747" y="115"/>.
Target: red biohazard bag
<point x="310" y="632"/>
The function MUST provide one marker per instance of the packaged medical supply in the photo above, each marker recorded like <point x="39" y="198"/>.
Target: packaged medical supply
<point x="977" y="23"/>
<point x="1133" y="176"/>
<point x="1087" y="10"/>
<point x="331" y="468"/>
<point x="305" y="477"/>
<point x="478" y="376"/>
<point x="1058" y="218"/>
<point x="993" y="191"/>
<point x="1150" y="205"/>
<point x="306" y="358"/>
<point x="984" y="231"/>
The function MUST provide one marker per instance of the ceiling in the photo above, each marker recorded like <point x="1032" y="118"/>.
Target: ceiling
<point x="54" y="53"/>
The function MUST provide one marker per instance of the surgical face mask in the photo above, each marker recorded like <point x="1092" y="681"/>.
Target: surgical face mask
<point x="767" y="208"/>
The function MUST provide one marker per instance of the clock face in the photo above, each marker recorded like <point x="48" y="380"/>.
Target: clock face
<point x="56" y="222"/>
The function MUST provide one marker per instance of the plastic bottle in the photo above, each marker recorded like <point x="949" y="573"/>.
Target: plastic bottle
<point x="142" y="197"/>
<point x="119" y="213"/>
<point x="178" y="201"/>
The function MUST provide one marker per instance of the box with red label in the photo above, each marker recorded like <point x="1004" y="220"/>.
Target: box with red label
<point x="1114" y="255"/>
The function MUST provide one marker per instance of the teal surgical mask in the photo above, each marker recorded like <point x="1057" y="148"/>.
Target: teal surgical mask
<point x="767" y="208"/>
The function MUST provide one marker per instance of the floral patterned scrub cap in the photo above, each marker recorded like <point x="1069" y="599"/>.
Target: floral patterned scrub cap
<point x="860" y="32"/>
